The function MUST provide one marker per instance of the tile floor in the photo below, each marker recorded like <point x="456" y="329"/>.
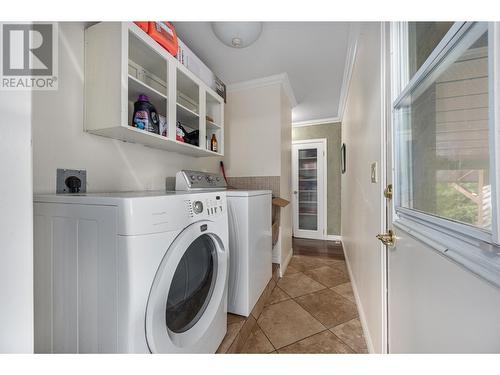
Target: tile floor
<point x="310" y="310"/>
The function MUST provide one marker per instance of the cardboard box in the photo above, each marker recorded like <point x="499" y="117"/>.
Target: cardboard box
<point x="187" y="58"/>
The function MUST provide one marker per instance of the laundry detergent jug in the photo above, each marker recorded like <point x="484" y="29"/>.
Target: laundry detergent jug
<point x="145" y="115"/>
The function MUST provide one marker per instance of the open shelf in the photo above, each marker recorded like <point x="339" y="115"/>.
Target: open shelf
<point x="137" y="87"/>
<point x="134" y="135"/>
<point x="146" y="57"/>
<point x="212" y="126"/>
<point x="187" y="117"/>
<point x="176" y="93"/>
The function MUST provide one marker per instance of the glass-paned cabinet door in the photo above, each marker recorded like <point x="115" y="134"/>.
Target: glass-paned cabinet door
<point x="308" y="189"/>
<point x="308" y="176"/>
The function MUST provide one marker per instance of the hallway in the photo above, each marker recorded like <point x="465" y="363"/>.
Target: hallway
<point x="311" y="309"/>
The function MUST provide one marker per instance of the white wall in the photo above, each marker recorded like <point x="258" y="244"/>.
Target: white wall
<point x="60" y="142"/>
<point x="258" y="143"/>
<point x="361" y="199"/>
<point x="286" y="179"/>
<point x="16" y="224"/>
<point x="253" y="132"/>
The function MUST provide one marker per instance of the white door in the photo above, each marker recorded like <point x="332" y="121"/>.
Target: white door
<point x="309" y="190"/>
<point x="443" y="269"/>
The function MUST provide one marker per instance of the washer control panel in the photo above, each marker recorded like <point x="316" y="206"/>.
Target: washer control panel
<point x="187" y="180"/>
<point x="214" y="205"/>
<point x="211" y="205"/>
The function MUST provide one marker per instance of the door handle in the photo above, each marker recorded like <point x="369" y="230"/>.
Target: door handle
<point x="388" y="192"/>
<point x="388" y="239"/>
<point x="295" y="192"/>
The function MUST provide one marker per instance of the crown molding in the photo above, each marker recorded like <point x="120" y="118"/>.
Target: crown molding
<point x="281" y="79"/>
<point x="350" y="58"/>
<point x="320" y="121"/>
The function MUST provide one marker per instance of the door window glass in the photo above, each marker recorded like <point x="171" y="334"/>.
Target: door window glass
<point x="442" y="136"/>
<point x="308" y="189"/>
<point x="423" y="37"/>
<point x="192" y="285"/>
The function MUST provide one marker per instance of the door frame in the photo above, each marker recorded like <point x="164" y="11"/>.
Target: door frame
<point x="322" y="235"/>
<point x="387" y="167"/>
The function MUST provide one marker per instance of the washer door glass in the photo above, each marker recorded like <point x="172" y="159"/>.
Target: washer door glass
<point x="192" y="285"/>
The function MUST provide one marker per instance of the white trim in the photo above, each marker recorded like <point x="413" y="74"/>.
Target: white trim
<point x="350" y="58"/>
<point x="443" y="48"/>
<point x="312" y="140"/>
<point x="494" y="125"/>
<point x="333" y="237"/>
<point x="285" y="264"/>
<point x="321" y="121"/>
<point x="281" y="79"/>
<point x="359" y="305"/>
<point x="385" y="119"/>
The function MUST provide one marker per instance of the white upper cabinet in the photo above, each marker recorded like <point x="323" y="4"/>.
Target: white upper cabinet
<point x="122" y="62"/>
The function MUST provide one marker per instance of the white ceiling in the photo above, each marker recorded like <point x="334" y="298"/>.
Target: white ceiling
<point x="313" y="54"/>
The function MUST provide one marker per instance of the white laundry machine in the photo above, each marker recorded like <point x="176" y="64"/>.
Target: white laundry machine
<point x="131" y="272"/>
<point x="250" y="237"/>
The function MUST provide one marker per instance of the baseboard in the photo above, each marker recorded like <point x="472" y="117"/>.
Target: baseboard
<point x="333" y="237"/>
<point x="284" y="266"/>
<point x="362" y="317"/>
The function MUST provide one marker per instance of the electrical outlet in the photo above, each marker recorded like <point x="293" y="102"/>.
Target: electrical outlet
<point x="67" y="178"/>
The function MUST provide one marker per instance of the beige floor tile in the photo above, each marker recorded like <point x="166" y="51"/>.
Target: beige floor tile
<point x="278" y="295"/>
<point x="234" y="324"/>
<point x="306" y="262"/>
<point x="291" y="269"/>
<point x="257" y="343"/>
<point x="328" y="276"/>
<point x="286" y="322"/>
<point x="352" y="334"/>
<point x="261" y="302"/>
<point x="345" y="290"/>
<point x="320" y="343"/>
<point x="243" y="335"/>
<point x="341" y="266"/>
<point x="330" y="308"/>
<point x="233" y="318"/>
<point x="298" y="284"/>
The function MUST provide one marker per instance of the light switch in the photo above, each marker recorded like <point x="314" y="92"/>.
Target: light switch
<point x="374" y="172"/>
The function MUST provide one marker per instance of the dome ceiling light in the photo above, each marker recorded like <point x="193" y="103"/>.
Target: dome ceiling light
<point x="237" y="34"/>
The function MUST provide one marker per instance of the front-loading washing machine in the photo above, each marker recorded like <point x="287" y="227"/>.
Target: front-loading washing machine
<point x="139" y="272"/>
<point x="250" y="237"/>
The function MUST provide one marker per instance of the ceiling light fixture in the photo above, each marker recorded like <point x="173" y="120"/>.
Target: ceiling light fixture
<point x="237" y="34"/>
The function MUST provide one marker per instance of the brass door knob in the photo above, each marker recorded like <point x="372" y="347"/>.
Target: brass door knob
<point x="388" y="239"/>
<point x="388" y="191"/>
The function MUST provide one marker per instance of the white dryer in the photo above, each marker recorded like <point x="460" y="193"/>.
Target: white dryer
<point x="250" y="237"/>
<point x="131" y="272"/>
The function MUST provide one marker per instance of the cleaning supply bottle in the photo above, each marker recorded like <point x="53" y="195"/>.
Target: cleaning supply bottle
<point x="145" y="115"/>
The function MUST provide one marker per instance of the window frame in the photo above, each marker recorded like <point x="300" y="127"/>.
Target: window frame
<point x="474" y="248"/>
